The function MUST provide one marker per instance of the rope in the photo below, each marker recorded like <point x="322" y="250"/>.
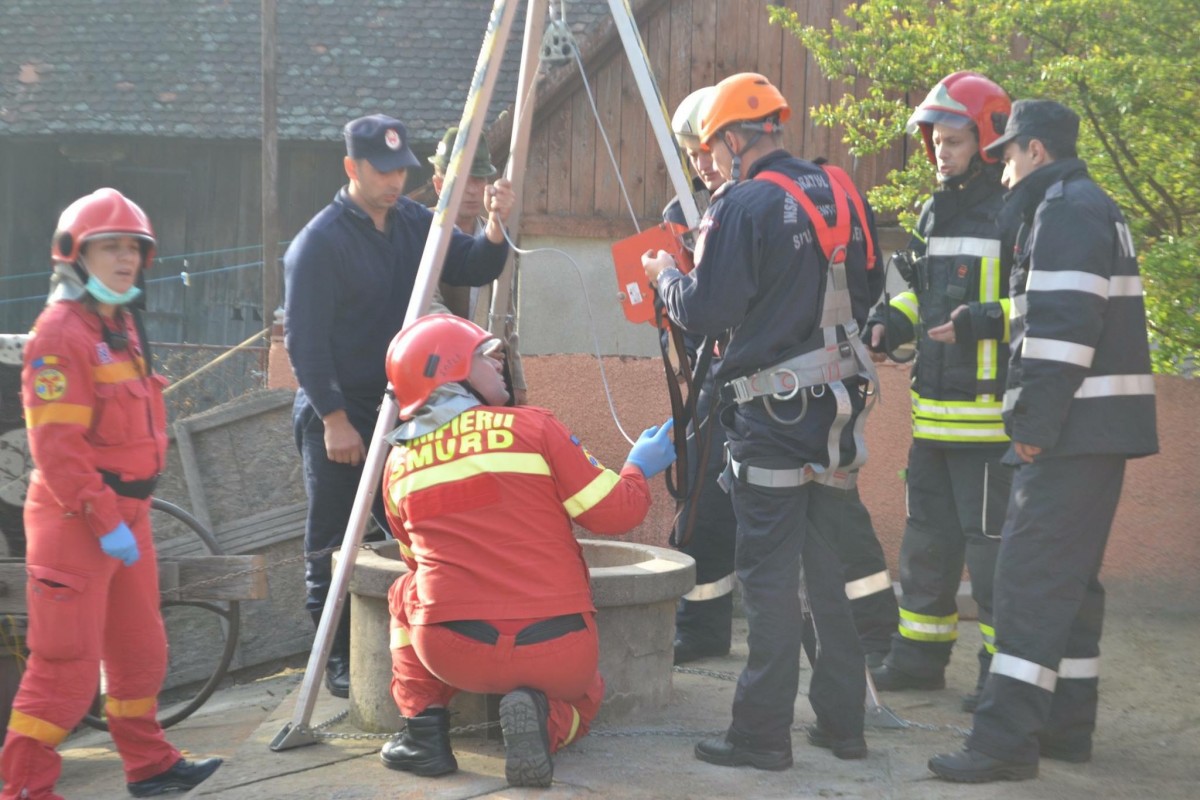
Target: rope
<point x="215" y="361"/>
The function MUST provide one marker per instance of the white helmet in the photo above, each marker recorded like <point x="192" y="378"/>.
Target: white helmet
<point x="686" y="122"/>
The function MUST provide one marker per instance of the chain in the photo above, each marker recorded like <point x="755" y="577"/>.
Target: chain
<point x="319" y="732"/>
<point x="178" y="592"/>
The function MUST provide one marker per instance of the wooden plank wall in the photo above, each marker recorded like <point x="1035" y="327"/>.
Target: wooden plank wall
<point x="571" y="187"/>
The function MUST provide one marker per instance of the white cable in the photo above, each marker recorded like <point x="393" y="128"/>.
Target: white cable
<point x="591" y="322"/>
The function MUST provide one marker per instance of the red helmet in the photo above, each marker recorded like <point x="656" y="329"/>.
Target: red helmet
<point x="959" y="100"/>
<point x="104" y="212"/>
<point x="743" y="97"/>
<point x="434" y="350"/>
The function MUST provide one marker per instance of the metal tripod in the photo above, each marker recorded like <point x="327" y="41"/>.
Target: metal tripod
<point x="297" y="732"/>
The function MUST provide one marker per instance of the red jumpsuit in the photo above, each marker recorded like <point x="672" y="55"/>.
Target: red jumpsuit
<point x="89" y="407"/>
<point x="482" y="509"/>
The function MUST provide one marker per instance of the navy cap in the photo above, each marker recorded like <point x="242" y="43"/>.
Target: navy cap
<point x="481" y="167"/>
<point x="1038" y="119"/>
<point x="381" y="140"/>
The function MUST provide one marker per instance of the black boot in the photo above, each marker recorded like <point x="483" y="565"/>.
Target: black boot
<point x="337" y="668"/>
<point x="971" y="701"/>
<point x="889" y="679"/>
<point x="179" y="778"/>
<point x="972" y="766"/>
<point x="524" y="714"/>
<point x="703" y="628"/>
<point x="423" y="747"/>
<point x="730" y="751"/>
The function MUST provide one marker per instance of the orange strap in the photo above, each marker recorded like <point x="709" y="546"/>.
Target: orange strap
<point x="838" y="235"/>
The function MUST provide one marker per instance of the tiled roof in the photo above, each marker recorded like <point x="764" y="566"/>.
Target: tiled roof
<point x="191" y="68"/>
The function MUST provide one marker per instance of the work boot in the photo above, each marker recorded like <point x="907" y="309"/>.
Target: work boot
<point x="337" y="674"/>
<point x="875" y="660"/>
<point x="723" y="752"/>
<point x="972" y="766"/>
<point x="524" y="714"/>
<point x="423" y="747"/>
<point x="889" y="679"/>
<point x="845" y="749"/>
<point x="179" y="778"/>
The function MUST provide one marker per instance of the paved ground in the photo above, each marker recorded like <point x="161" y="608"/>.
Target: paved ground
<point x="1147" y="746"/>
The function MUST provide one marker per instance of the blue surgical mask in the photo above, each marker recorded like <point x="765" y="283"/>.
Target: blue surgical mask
<point x="105" y="295"/>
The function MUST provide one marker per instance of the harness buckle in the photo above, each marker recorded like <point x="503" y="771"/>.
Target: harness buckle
<point x="795" y="384"/>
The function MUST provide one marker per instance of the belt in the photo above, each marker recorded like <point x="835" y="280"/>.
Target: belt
<point x="542" y="631"/>
<point x="138" y="490"/>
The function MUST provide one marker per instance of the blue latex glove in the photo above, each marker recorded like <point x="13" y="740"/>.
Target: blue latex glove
<point x="653" y="451"/>
<point x="120" y="544"/>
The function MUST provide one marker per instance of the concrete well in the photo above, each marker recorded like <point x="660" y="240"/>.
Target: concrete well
<point x="635" y="588"/>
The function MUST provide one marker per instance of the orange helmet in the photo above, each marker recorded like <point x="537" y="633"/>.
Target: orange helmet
<point x="104" y="212"/>
<point x="434" y="350"/>
<point x="959" y="100"/>
<point x="744" y="97"/>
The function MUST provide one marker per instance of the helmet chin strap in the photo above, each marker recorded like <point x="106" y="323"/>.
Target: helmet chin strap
<point x="735" y="170"/>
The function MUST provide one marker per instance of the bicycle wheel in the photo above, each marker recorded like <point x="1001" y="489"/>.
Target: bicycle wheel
<point x="228" y="620"/>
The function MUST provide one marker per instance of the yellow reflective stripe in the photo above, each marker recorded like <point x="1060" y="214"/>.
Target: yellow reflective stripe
<point x="951" y="409"/>
<point x="571" y="734"/>
<point x="405" y="550"/>
<point x="593" y="493"/>
<point x="470" y="466"/>
<point x="989" y="637"/>
<point x="58" y="413"/>
<point x="399" y="638"/>
<point x="129" y="708"/>
<point x="924" y="628"/>
<point x="959" y="433"/>
<point x="1006" y="305"/>
<point x="37" y="729"/>
<point x="907" y="304"/>
<point x="119" y="372"/>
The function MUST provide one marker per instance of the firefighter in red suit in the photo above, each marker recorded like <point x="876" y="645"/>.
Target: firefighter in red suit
<point x="497" y="599"/>
<point x="97" y="434"/>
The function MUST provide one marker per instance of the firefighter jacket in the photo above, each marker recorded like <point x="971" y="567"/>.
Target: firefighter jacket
<point x="1080" y="380"/>
<point x="483" y="507"/>
<point x="957" y="389"/>
<point x="760" y="273"/>
<point x="90" y="407"/>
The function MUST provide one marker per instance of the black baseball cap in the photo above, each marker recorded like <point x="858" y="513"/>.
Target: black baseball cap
<point x="381" y="140"/>
<point x="1047" y="120"/>
<point x="481" y="167"/>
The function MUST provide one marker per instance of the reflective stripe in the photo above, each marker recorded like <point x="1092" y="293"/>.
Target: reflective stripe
<point x="908" y="305"/>
<point x="1079" y="668"/>
<point x="955" y="408"/>
<point x="129" y="708"/>
<point x="571" y="734"/>
<point x="60" y="413"/>
<point x="924" y="628"/>
<point x="872" y="584"/>
<point x="963" y="246"/>
<point x="470" y="466"/>
<point x="989" y="635"/>
<point x="711" y="591"/>
<point x="593" y="493"/>
<point x="1068" y="280"/>
<point x="37" y="729"/>
<point x="119" y="372"/>
<point x="405" y="550"/>
<point x="1098" y="386"/>
<point x="1125" y="286"/>
<point x="1025" y="671"/>
<point x="1017" y="306"/>
<point x="1114" y="385"/>
<point x="1058" y="350"/>
<point x="773" y="478"/>
<point x="1006" y="307"/>
<point x="399" y="638"/>
<point x="978" y="433"/>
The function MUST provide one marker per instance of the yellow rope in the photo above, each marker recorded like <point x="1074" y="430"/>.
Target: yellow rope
<point x="215" y="361"/>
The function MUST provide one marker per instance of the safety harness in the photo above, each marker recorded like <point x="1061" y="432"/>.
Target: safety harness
<point x="832" y="354"/>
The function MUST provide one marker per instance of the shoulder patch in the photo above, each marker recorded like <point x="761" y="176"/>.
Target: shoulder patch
<point x="49" y="384"/>
<point x="595" y="462"/>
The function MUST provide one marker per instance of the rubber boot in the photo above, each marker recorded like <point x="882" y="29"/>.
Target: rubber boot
<point x="423" y="747"/>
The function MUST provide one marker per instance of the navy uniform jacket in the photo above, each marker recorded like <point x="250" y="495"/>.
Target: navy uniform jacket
<point x="760" y="274"/>
<point x="347" y="288"/>
<point x="1079" y="382"/>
